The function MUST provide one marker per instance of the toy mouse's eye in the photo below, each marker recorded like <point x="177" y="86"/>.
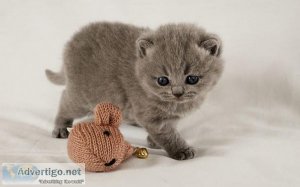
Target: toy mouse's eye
<point x="106" y="133"/>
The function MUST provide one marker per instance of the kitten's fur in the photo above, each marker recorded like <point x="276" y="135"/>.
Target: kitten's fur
<point x="120" y="63"/>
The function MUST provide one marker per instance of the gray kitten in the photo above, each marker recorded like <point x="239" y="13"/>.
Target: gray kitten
<point x="154" y="76"/>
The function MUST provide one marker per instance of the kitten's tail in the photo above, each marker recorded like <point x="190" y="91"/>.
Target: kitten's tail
<point x="56" y="78"/>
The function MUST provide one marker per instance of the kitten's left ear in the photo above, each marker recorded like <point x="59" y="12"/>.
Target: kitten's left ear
<point x="213" y="44"/>
<point x="143" y="43"/>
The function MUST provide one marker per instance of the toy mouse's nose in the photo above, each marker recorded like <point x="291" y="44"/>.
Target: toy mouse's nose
<point x="110" y="163"/>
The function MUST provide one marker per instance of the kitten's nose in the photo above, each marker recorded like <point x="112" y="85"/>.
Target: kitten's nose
<point x="177" y="91"/>
<point x="110" y="163"/>
<point x="178" y="94"/>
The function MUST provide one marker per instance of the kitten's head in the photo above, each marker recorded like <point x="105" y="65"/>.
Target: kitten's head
<point x="178" y="62"/>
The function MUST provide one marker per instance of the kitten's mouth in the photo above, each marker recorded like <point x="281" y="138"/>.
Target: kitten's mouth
<point x="179" y="99"/>
<point x="186" y="97"/>
<point x="176" y="99"/>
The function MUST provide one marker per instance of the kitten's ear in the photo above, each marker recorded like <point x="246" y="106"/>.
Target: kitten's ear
<point x="213" y="44"/>
<point x="143" y="43"/>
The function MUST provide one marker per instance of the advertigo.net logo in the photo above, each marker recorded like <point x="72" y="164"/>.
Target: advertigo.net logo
<point x="43" y="173"/>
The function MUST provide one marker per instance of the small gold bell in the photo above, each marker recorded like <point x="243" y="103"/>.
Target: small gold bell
<point x="141" y="153"/>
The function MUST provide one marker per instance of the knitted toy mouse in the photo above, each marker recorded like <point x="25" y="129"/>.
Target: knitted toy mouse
<point x="100" y="144"/>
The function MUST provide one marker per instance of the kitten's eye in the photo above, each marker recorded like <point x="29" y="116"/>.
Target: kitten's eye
<point x="191" y="79"/>
<point x="163" y="81"/>
<point x="106" y="133"/>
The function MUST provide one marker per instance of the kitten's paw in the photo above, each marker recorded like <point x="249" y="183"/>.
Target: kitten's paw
<point x="59" y="132"/>
<point x="152" y="144"/>
<point x="183" y="154"/>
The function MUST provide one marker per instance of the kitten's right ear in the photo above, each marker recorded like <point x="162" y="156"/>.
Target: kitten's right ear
<point x="213" y="44"/>
<point x="143" y="43"/>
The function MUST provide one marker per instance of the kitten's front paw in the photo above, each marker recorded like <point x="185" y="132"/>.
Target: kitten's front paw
<point x="59" y="132"/>
<point x="152" y="144"/>
<point x="183" y="154"/>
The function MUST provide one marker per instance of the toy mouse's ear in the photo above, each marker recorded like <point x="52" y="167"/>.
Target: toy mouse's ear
<point x="107" y="114"/>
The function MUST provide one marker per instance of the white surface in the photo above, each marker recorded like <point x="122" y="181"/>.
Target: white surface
<point x="247" y="132"/>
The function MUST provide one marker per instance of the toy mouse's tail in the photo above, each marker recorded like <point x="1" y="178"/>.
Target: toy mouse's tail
<point x="56" y="78"/>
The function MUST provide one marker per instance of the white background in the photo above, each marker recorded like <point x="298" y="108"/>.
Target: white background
<point x="248" y="131"/>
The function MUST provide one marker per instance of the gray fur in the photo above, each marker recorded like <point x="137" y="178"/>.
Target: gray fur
<point x="56" y="78"/>
<point x="120" y="63"/>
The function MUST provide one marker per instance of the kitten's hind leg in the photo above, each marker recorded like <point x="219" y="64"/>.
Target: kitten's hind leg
<point x="60" y="129"/>
<point x="135" y="124"/>
<point x="68" y="110"/>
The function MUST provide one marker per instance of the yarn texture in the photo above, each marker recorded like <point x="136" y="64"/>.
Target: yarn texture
<point x="99" y="144"/>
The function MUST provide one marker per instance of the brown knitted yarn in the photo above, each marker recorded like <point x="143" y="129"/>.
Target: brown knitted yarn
<point x="99" y="144"/>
